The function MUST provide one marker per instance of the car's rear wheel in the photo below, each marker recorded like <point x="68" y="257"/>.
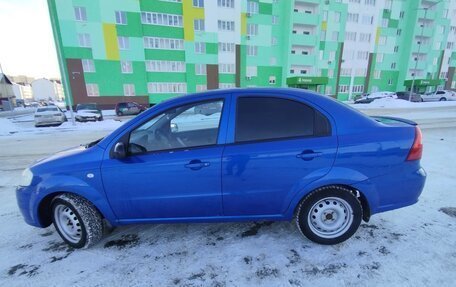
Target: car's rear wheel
<point x="329" y="215"/>
<point x="77" y="221"/>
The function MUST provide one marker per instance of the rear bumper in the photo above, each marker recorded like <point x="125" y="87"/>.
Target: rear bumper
<point x="394" y="190"/>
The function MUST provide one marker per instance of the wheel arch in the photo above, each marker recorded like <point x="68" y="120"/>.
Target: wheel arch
<point x="44" y="212"/>
<point x="359" y="194"/>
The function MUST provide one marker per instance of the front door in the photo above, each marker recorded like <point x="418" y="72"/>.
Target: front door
<point x="173" y="168"/>
<point x="280" y="145"/>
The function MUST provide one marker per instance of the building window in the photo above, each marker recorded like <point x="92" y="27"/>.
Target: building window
<point x="201" y="88"/>
<point x="272" y="80"/>
<point x="401" y="15"/>
<point x="379" y="57"/>
<point x="345" y="71"/>
<point x="377" y="74"/>
<point x="336" y="17"/>
<point x="396" y="49"/>
<point x="227" y="68"/>
<point x="168" y="88"/>
<point x="252" y="50"/>
<point x="367" y="20"/>
<point x="200" y="69"/>
<point x="124" y="43"/>
<point x="332" y="55"/>
<point x="274" y="41"/>
<point x="198" y="24"/>
<point x="363" y="55"/>
<point x="92" y="90"/>
<point x="200" y="48"/>
<point x="393" y="65"/>
<point x="121" y="17"/>
<point x="353" y="17"/>
<point x="165" y="66"/>
<point x="84" y="40"/>
<point x="365" y="37"/>
<point x="225" y="25"/>
<point x="343" y="89"/>
<point x="252" y="29"/>
<point x="382" y="40"/>
<point x="330" y="73"/>
<point x="198" y="3"/>
<point x="275" y="19"/>
<point x="252" y="7"/>
<point x="390" y="82"/>
<point x="80" y="14"/>
<point x="126" y="67"/>
<point x="88" y="66"/>
<point x="226" y="47"/>
<point x="399" y="32"/>
<point x="335" y="36"/>
<point x="162" y="19"/>
<point x="350" y="36"/>
<point x="252" y="71"/>
<point x="358" y="88"/>
<point x="225" y="3"/>
<point x="226" y="85"/>
<point x="129" y="90"/>
<point x="163" y="43"/>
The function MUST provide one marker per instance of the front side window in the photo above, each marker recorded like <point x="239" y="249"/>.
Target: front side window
<point x="192" y="125"/>
<point x="264" y="118"/>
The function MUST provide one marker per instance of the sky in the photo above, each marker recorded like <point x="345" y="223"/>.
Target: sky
<point x="26" y="41"/>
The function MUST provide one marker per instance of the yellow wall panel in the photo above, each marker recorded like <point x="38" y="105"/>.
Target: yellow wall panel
<point x="190" y="13"/>
<point x="110" y="39"/>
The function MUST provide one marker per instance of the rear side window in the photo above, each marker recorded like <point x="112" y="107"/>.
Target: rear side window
<point x="263" y="118"/>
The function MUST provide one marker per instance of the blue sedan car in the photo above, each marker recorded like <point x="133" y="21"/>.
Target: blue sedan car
<point x="231" y="155"/>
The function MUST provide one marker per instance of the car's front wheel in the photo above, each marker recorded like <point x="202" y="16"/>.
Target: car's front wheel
<point x="442" y="99"/>
<point x="329" y="215"/>
<point x="77" y="221"/>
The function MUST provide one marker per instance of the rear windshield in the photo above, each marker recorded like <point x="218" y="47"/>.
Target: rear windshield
<point x="47" y="110"/>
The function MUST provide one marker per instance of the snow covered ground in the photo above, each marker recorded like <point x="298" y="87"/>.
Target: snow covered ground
<point x="413" y="246"/>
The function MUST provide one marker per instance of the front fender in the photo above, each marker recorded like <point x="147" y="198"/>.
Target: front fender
<point x="337" y="176"/>
<point x="90" y="189"/>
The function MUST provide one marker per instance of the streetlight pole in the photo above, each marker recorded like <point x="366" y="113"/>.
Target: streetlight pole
<point x="419" y="47"/>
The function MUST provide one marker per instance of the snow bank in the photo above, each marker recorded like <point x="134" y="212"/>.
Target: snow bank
<point x="7" y="127"/>
<point x="391" y="103"/>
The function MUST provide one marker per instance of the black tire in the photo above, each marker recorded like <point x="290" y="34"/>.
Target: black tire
<point x="442" y="99"/>
<point x="91" y="221"/>
<point x="119" y="114"/>
<point x="306" y="211"/>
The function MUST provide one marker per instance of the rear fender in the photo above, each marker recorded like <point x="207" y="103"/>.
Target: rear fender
<point x="337" y="176"/>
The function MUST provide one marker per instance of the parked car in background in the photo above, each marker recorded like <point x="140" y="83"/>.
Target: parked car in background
<point x="88" y="112"/>
<point x="406" y="96"/>
<point x="442" y="95"/>
<point x="129" y="108"/>
<point x="369" y="98"/>
<point x="50" y="115"/>
<point x="208" y="109"/>
<point x="266" y="154"/>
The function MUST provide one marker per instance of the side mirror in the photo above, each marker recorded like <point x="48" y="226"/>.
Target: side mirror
<point x="119" y="151"/>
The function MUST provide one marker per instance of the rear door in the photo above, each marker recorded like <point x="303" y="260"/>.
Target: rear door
<point x="278" y="146"/>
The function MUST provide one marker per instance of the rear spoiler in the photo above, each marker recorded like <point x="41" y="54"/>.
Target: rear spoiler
<point x="393" y="119"/>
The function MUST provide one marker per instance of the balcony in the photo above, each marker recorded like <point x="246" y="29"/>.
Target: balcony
<point x="301" y="39"/>
<point x="306" y="18"/>
<point x="303" y="60"/>
<point x="427" y="31"/>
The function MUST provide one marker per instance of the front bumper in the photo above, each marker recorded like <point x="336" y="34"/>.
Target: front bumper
<point x="25" y="201"/>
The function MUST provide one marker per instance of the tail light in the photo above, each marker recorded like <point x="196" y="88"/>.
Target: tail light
<point x="417" y="148"/>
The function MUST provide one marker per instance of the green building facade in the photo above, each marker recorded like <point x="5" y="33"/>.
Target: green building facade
<point x="150" y="50"/>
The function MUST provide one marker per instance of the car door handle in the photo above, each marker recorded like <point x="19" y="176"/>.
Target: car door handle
<point x="197" y="164"/>
<point x="308" y="155"/>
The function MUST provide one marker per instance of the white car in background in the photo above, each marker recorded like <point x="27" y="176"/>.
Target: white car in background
<point x="442" y="95"/>
<point x="49" y="115"/>
<point x="369" y="98"/>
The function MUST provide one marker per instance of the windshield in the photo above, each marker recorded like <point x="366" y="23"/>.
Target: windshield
<point x="87" y="107"/>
